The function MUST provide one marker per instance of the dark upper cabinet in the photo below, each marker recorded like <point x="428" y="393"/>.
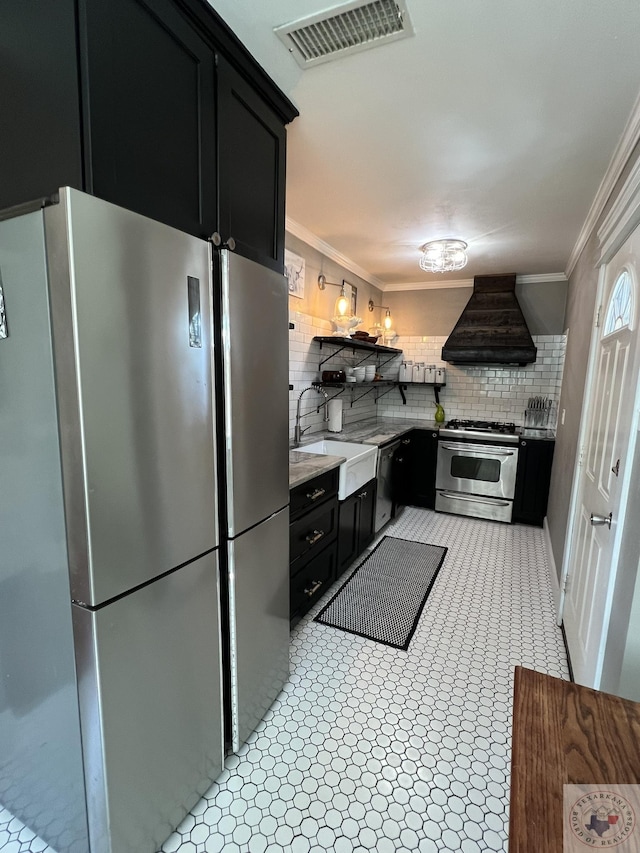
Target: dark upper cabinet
<point x="150" y="117"/>
<point x="252" y="159"/>
<point x="41" y="141"/>
<point x="151" y="104"/>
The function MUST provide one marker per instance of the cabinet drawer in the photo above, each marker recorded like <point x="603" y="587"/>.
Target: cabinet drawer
<point x="313" y="580"/>
<point x="313" y="530"/>
<point x="313" y="492"/>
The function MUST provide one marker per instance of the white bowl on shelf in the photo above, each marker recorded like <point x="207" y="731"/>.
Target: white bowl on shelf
<point x="359" y="373"/>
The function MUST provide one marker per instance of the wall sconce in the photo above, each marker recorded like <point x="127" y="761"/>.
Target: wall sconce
<point x="342" y="306"/>
<point x="388" y="321"/>
<point x="343" y="318"/>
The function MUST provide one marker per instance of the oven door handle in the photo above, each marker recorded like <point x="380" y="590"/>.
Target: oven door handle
<point x="458" y="496"/>
<point x="478" y="448"/>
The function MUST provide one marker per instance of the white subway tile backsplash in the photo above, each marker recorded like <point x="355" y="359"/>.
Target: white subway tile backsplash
<point x="492" y="393"/>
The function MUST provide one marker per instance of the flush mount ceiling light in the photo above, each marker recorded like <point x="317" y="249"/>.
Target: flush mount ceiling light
<point x="443" y="255"/>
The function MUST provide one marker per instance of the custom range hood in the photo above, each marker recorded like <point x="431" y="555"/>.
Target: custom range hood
<point x="492" y="328"/>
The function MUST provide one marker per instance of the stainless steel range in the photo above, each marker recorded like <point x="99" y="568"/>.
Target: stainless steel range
<point x="476" y="471"/>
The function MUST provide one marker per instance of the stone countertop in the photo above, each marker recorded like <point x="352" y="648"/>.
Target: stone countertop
<point x="540" y="433"/>
<point x="376" y="431"/>
<point x="306" y="466"/>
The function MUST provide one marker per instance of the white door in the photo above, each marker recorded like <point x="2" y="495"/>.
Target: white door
<point x="606" y="459"/>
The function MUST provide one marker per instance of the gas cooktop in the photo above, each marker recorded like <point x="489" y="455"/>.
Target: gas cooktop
<point x="476" y="429"/>
<point x="483" y="426"/>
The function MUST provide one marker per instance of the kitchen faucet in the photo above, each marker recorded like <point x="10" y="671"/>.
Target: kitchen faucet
<point x="298" y="432"/>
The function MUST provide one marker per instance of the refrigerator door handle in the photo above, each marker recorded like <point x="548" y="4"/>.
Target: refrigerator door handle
<point x="195" y="313"/>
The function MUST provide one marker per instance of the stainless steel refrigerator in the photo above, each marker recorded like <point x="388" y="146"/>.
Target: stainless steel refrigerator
<point x="111" y="707"/>
<point x="254" y="464"/>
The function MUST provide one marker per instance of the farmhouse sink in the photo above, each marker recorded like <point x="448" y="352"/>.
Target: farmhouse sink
<point x="358" y="468"/>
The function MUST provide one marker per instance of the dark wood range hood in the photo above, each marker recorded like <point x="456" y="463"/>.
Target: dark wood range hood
<point x="491" y="328"/>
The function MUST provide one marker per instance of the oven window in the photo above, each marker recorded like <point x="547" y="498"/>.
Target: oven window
<point x="470" y="468"/>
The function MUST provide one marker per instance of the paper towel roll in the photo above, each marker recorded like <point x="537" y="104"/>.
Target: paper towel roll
<point x="334" y="409"/>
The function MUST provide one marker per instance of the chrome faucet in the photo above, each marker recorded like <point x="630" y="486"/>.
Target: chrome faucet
<point x="298" y="431"/>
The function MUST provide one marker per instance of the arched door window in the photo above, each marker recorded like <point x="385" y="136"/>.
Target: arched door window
<point x="620" y="308"/>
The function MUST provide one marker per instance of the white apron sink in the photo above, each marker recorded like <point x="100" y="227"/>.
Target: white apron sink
<point x="358" y="468"/>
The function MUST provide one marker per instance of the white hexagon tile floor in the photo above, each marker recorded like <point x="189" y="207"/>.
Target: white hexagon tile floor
<point x="373" y="749"/>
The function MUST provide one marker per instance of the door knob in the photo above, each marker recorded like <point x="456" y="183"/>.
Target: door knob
<point x="596" y="520"/>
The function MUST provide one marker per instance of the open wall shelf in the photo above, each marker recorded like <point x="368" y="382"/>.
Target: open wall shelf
<point x="402" y="387"/>
<point x="355" y="346"/>
<point x="363" y="387"/>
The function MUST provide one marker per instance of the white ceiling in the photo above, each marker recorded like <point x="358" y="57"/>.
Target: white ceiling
<point x="495" y="124"/>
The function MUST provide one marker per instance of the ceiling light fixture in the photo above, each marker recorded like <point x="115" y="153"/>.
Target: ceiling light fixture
<point x="443" y="255"/>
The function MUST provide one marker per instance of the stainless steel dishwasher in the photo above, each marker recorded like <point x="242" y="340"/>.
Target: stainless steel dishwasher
<point x="384" y="499"/>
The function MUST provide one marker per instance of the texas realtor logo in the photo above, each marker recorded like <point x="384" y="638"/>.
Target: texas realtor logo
<point x="601" y="818"/>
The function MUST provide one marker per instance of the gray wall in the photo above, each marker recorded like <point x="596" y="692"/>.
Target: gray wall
<point x="579" y="323"/>
<point x="319" y="303"/>
<point x="435" y="312"/>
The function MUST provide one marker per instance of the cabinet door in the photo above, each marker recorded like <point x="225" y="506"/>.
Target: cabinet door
<point x="356" y="524"/>
<point x="348" y="523"/>
<point x="41" y="147"/>
<point x="403" y="472"/>
<point x="252" y="146"/>
<point x="367" y="515"/>
<point x="313" y="492"/>
<point x="532" y="481"/>
<point x="312" y="581"/>
<point x="424" y="448"/>
<point x="150" y="112"/>
<point x="313" y="530"/>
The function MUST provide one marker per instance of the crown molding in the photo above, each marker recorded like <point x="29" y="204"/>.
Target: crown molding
<point x="627" y="142"/>
<point x="315" y="242"/>
<point x="622" y="218"/>
<point x="426" y="285"/>
<point x="542" y="278"/>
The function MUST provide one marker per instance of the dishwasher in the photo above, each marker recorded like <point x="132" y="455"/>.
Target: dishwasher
<point x="384" y="476"/>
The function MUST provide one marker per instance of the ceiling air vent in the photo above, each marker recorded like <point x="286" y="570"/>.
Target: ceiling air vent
<point x="345" y="29"/>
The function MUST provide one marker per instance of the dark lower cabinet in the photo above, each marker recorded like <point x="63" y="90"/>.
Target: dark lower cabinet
<point x="313" y="539"/>
<point x="415" y="469"/>
<point x="313" y="530"/>
<point x="153" y="105"/>
<point x="535" y="457"/>
<point x="356" y="524"/>
<point x="312" y="581"/>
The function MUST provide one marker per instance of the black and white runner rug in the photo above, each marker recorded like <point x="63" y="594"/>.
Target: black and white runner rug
<point x="384" y="597"/>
